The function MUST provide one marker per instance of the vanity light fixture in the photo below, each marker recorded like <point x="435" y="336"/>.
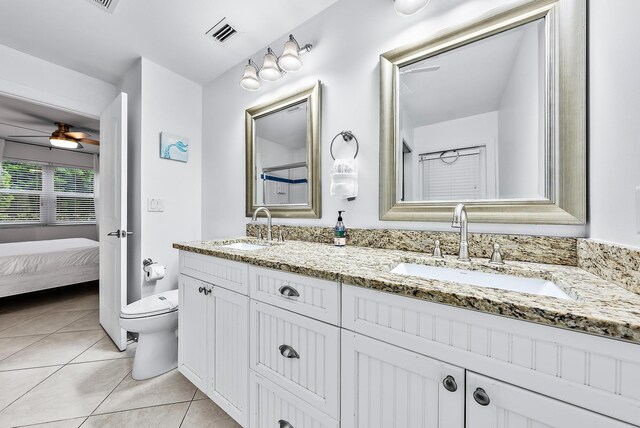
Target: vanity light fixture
<point x="249" y="79"/>
<point x="290" y="59"/>
<point x="270" y="70"/>
<point x="409" y="7"/>
<point x="274" y="67"/>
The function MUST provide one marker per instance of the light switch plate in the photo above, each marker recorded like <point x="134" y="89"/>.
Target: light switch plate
<point x="155" y="205"/>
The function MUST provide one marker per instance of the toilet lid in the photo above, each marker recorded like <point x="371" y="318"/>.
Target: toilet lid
<point x="157" y="304"/>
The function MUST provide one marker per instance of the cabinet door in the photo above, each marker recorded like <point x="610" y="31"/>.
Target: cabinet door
<point x="192" y="331"/>
<point x="229" y="348"/>
<point x="494" y="404"/>
<point x="384" y="386"/>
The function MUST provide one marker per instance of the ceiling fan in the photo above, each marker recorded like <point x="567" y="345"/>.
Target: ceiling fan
<point x="65" y="138"/>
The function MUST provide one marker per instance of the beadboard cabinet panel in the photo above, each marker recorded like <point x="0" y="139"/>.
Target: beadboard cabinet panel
<point x="223" y="273"/>
<point x="512" y="407"/>
<point x="313" y="297"/>
<point x="314" y="374"/>
<point x="384" y="386"/>
<point x="193" y="331"/>
<point x="273" y="406"/>
<point x="589" y="371"/>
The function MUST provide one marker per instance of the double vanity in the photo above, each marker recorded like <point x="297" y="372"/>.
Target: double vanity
<point x="303" y="334"/>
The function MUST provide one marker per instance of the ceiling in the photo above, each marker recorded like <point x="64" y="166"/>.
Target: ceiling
<point x="286" y="127"/>
<point x="78" y="35"/>
<point x="18" y="117"/>
<point x="470" y="80"/>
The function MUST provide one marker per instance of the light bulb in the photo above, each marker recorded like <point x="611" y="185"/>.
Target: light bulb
<point x="270" y="70"/>
<point x="64" y="143"/>
<point x="249" y="79"/>
<point x="290" y="58"/>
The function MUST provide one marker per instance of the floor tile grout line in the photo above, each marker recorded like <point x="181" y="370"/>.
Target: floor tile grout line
<point x="188" y="407"/>
<point x="109" y="394"/>
<point x="28" y="346"/>
<point x="50" y="422"/>
<point x="34" y="386"/>
<point x="138" y="408"/>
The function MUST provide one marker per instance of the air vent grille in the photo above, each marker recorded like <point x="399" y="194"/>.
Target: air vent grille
<point x="222" y="32"/>
<point x="107" y="5"/>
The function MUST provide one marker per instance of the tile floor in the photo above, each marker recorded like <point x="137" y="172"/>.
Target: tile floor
<point x="58" y="369"/>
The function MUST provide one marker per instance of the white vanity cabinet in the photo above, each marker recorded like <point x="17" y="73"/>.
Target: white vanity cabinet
<point x="385" y="386"/>
<point x="276" y="349"/>
<point x="491" y="403"/>
<point x="213" y="346"/>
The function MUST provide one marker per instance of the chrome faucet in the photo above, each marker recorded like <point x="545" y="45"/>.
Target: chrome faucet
<point x="268" y="213"/>
<point x="460" y="221"/>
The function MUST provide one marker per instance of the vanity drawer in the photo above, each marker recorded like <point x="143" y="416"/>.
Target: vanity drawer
<point x="224" y="273"/>
<point x="313" y="297"/>
<point x="298" y="353"/>
<point x="271" y="404"/>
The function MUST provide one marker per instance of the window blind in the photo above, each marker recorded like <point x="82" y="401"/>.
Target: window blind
<point x="453" y="175"/>
<point x="45" y="194"/>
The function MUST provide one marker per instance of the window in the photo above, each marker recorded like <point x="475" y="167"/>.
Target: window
<point x="454" y="175"/>
<point x="33" y="193"/>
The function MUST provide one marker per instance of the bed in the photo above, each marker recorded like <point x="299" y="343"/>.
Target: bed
<point x="38" y="265"/>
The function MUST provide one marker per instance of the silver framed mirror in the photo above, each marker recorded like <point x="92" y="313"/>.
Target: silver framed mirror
<point x="283" y="155"/>
<point x="491" y="114"/>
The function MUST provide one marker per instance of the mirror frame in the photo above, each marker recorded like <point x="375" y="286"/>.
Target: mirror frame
<point x="565" y="118"/>
<point x="312" y="95"/>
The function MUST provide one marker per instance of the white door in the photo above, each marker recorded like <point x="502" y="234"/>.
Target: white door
<point x="495" y="404"/>
<point x="113" y="218"/>
<point x="228" y="339"/>
<point x="193" y="328"/>
<point x="384" y="386"/>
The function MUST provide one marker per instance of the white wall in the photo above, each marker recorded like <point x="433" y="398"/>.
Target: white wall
<point x="160" y="100"/>
<point x="348" y="39"/>
<point x="519" y="123"/>
<point x="37" y="233"/>
<point x="614" y="156"/>
<point x="25" y="76"/>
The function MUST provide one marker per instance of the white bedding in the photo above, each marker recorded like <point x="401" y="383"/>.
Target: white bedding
<point x="18" y="258"/>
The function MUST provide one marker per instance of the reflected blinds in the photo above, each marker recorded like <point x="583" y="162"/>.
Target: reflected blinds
<point x="451" y="175"/>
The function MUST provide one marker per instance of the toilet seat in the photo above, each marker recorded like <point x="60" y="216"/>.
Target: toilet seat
<point x="157" y="304"/>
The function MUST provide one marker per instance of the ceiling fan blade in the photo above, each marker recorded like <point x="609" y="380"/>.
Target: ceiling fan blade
<point x="89" y="141"/>
<point x="77" y="135"/>
<point x="28" y="136"/>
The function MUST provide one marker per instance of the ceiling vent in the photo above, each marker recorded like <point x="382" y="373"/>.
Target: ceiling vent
<point x="106" y="5"/>
<point x="222" y="32"/>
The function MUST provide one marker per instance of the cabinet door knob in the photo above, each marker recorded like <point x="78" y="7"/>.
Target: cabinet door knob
<point x="481" y="397"/>
<point x="284" y="424"/>
<point x="207" y="291"/>
<point x="201" y="289"/>
<point x="450" y="384"/>
<point x="288" y="352"/>
<point x="289" y="291"/>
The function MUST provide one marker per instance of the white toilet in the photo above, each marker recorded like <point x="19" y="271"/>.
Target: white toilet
<point x="155" y="319"/>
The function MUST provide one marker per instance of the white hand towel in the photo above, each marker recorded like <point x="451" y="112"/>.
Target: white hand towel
<point x="344" y="178"/>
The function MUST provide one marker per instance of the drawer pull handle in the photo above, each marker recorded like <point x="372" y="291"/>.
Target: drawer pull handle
<point x="284" y="424"/>
<point x="481" y="397"/>
<point x="288" y="352"/>
<point x="450" y="384"/>
<point x="289" y="291"/>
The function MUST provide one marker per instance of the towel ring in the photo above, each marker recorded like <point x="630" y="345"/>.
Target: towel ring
<point x="347" y="136"/>
<point x="453" y="161"/>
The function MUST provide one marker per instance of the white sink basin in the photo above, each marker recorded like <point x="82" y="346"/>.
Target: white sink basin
<point x="540" y="287"/>
<point x="243" y="246"/>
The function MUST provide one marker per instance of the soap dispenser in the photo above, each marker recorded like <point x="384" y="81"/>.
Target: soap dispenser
<point x="340" y="232"/>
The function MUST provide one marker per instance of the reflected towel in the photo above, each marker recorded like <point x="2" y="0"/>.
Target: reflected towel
<point x="344" y="178"/>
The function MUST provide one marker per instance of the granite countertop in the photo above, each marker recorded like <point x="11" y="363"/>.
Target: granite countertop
<point x="598" y="306"/>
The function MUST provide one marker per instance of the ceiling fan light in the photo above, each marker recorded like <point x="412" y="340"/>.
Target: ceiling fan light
<point x="64" y="143"/>
<point x="270" y="70"/>
<point x="249" y="80"/>
<point x="290" y="58"/>
<point x="409" y="7"/>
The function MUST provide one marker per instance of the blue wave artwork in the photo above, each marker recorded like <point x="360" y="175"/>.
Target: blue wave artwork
<point x="173" y="147"/>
